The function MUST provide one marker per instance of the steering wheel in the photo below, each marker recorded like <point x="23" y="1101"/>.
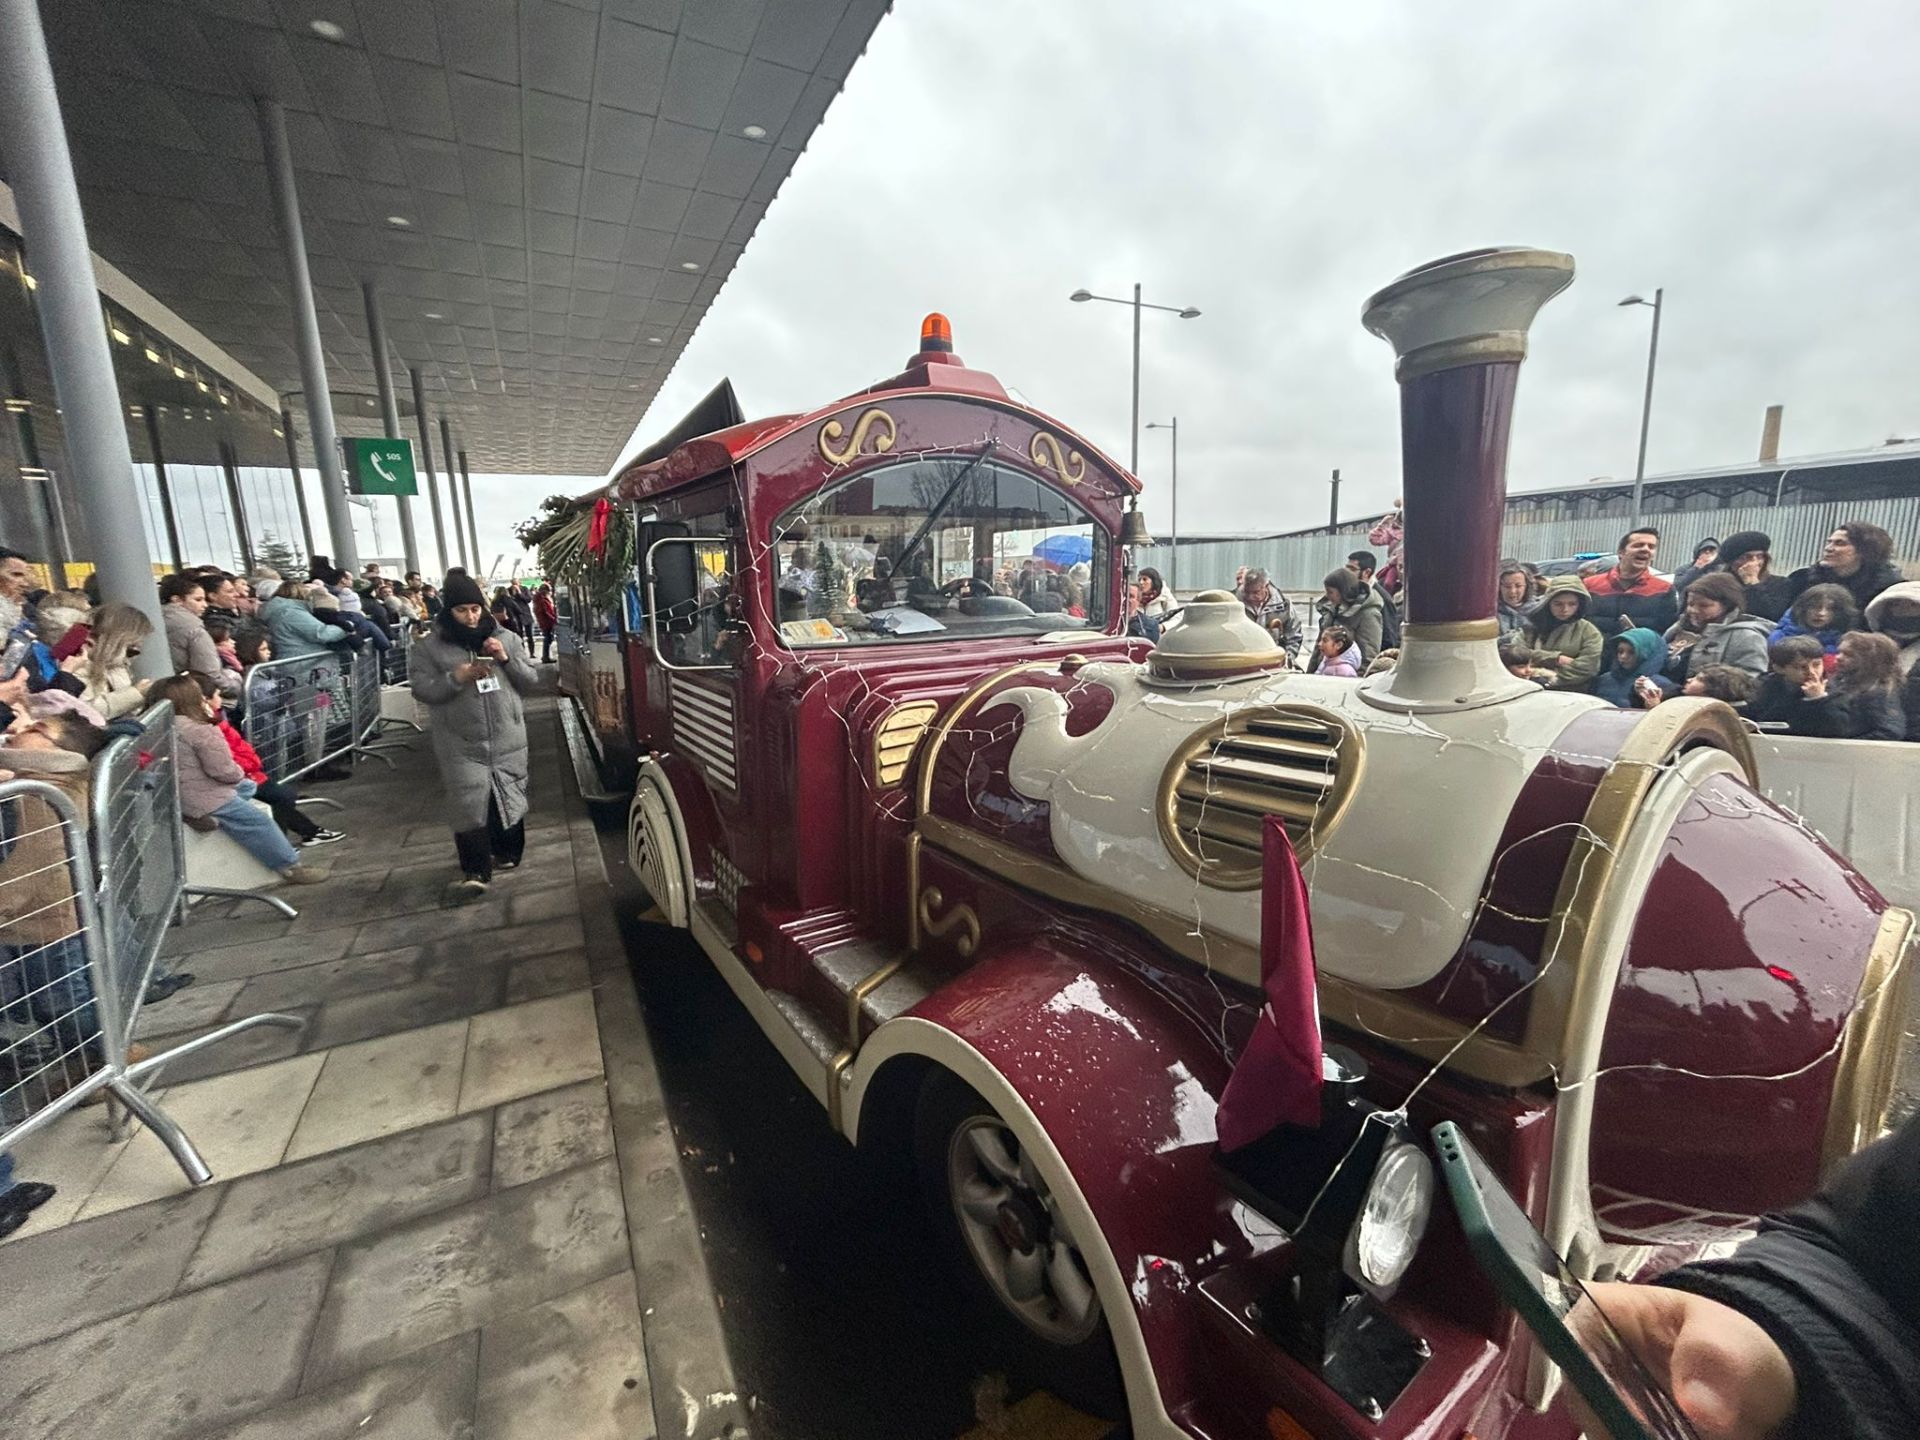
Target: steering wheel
<point x="967" y="585"/>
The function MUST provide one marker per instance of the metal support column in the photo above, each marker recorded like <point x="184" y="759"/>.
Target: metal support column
<point x="453" y="487"/>
<point x="389" y="412"/>
<point x="40" y="170"/>
<point x="306" y="324"/>
<point x="299" y="482"/>
<point x="167" y="514"/>
<point x="230" y="463"/>
<point x="426" y="468"/>
<point x="466" y="479"/>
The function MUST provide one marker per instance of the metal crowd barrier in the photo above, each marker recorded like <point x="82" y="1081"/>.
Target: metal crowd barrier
<point x="77" y="945"/>
<point x="307" y="711"/>
<point x="300" y="712"/>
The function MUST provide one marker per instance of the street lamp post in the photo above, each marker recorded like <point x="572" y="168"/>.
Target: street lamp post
<point x="1173" y="505"/>
<point x="1646" y="404"/>
<point x="1189" y="313"/>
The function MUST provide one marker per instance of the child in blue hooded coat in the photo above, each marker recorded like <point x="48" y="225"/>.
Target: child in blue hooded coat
<point x="1827" y="613"/>
<point x="1637" y="654"/>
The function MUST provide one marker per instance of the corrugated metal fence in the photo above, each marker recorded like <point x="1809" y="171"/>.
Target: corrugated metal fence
<point x="1298" y="562"/>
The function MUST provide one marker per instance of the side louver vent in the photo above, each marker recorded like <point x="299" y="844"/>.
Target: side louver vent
<point x="1295" y="761"/>
<point x="897" y="737"/>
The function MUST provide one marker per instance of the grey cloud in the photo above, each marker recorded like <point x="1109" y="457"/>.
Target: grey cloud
<point x="1274" y="164"/>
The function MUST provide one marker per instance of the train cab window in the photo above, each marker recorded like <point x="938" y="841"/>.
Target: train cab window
<point x="695" y="615"/>
<point x="938" y="548"/>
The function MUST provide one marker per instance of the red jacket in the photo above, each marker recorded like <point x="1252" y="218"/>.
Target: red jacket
<point x="244" y="755"/>
<point x="545" y="614"/>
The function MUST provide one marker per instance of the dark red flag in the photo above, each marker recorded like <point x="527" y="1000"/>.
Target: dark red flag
<point x="1277" y="1078"/>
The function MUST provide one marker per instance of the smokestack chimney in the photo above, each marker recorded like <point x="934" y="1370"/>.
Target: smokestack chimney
<point x="1770" y="433"/>
<point x="1459" y="329"/>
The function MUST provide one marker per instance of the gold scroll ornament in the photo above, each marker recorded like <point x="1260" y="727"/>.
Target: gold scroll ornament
<point x="960" y="916"/>
<point x="1049" y="454"/>
<point x="863" y="428"/>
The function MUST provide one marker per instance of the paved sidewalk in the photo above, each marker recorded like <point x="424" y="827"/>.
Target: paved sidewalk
<point x="448" y="1206"/>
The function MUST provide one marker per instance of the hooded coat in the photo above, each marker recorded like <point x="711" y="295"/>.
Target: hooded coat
<point x="1616" y="685"/>
<point x="1540" y="643"/>
<point x="1895" y="613"/>
<point x="479" y="740"/>
<point x="1365" y="616"/>
<point x="1739" y="641"/>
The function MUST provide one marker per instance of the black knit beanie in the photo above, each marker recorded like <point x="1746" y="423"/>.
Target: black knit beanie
<point x="462" y="589"/>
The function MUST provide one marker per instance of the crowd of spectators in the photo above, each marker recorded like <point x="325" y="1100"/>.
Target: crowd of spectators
<point x="68" y="688"/>
<point x="1828" y="649"/>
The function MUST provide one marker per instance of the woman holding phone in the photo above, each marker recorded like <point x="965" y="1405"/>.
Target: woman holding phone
<point x="471" y="673"/>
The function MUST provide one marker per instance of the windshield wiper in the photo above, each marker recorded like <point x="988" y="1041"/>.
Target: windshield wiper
<point x="939" y="509"/>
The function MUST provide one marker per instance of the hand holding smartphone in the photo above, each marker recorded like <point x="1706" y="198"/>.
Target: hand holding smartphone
<point x="1617" y="1389"/>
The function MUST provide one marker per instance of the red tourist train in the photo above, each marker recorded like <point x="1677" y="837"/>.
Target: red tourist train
<point x="990" y="877"/>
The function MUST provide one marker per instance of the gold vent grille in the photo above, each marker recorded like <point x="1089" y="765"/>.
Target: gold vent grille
<point x="897" y="737"/>
<point x="1295" y="761"/>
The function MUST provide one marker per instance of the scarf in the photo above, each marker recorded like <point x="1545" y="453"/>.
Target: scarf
<point x="468" y="637"/>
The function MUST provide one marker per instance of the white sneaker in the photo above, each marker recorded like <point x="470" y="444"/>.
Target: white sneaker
<point x="324" y="837"/>
<point x="466" y="890"/>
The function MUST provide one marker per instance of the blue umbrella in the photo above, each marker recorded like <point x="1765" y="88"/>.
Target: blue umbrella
<point x="1062" y="551"/>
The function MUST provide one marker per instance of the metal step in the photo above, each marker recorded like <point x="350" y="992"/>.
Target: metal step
<point x="818" y="1039"/>
<point x="586" y="771"/>
<point x="896" y="995"/>
<point x="845" y="966"/>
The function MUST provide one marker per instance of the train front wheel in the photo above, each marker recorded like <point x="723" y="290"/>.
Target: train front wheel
<point x="998" y="1222"/>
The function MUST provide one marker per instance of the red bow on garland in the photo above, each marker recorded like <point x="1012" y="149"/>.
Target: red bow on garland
<point x="597" y="527"/>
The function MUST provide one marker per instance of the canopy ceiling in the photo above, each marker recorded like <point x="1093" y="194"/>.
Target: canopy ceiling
<point x="548" y="195"/>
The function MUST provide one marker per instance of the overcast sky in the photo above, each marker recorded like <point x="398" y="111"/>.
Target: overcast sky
<point x="1274" y="164"/>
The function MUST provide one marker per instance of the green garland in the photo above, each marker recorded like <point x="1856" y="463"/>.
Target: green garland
<point x="560" y="534"/>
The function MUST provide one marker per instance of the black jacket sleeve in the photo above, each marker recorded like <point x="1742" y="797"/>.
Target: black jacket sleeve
<point x="1836" y="1283"/>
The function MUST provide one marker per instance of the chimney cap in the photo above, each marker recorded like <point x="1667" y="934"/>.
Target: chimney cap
<point x="1468" y="309"/>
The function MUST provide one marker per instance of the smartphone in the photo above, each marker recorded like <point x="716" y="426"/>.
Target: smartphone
<point x="1629" y="1403"/>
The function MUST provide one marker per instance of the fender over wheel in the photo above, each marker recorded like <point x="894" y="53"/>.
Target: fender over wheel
<point x="995" y="1219"/>
<point x="653" y="850"/>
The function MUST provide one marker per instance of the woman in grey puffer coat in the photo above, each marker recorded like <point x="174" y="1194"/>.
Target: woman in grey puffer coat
<point x="471" y="674"/>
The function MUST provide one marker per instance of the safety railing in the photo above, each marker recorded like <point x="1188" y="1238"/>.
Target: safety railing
<point x="78" y="943"/>
<point x="312" y="710"/>
<point x="140" y="852"/>
<point x="300" y="712"/>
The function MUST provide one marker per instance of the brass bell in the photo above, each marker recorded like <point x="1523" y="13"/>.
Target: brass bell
<point x="1133" y="527"/>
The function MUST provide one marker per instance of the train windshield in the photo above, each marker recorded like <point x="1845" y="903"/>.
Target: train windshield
<point x="938" y="548"/>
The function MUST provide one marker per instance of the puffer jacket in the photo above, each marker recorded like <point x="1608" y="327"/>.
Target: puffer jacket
<point x="1740" y="642"/>
<point x="1616" y="685"/>
<point x="479" y="740"/>
<point x="1346" y="665"/>
<point x="296" y="631"/>
<point x="1538" y="646"/>
<point x="36" y="895"/>
<point x="209" y="775"/>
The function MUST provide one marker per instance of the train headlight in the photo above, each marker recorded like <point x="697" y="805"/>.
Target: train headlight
<point x="1393" y="1218"/>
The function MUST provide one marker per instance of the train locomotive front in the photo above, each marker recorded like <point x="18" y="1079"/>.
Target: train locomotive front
<point x="1027" y="929"/>
<point x="1659" y="1000"/>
